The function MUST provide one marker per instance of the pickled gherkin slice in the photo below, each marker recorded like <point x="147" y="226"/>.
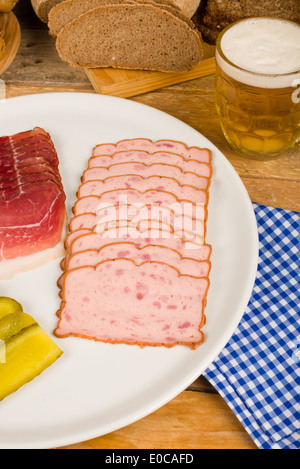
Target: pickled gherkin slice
<point x="12" y="324"/>
<point x="28" y="353"/>
<point x="8" y="306"/>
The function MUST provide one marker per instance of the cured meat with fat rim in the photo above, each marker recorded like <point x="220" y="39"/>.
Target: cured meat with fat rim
<point x="122" y="229"/>
<point x="155" y="305"/>
<point x="148" y="196"/>
<point x="32" y="202"/>
<point x="20" y="161"/>
<point x="161" y="271"/>
<point x="21" y="154"/>
<point x="41" y="224"/>
<point x="87" y="240"/>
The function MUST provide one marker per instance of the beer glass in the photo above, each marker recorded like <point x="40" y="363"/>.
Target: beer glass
<point x="257" y="86"/>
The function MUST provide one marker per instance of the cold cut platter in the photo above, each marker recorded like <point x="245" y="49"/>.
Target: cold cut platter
<point x="170" y="310"/>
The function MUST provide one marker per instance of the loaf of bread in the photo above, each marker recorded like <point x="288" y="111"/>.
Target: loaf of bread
<point x="218" y="14"/>
<point x="130" y="36"/>
<point x="65" y="12"/>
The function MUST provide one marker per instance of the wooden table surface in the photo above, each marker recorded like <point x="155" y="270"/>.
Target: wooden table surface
<point x="199" y="417"/>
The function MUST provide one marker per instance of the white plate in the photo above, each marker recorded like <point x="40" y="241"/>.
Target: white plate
<point x="95" y="388"/>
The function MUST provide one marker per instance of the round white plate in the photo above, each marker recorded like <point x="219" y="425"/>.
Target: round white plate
<point x="96" y="388"/>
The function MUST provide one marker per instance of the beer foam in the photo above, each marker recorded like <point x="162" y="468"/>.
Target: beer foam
<point x="265" y="50"/>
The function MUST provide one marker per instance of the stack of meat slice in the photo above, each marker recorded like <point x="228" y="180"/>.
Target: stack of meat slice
<point x="32" y="202"/>
<point x="136" y="268"/>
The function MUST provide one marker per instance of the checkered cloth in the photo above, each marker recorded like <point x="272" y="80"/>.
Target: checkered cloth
<point x="258" y="372"/>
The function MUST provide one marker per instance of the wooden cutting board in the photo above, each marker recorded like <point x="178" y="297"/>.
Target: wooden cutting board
<point x="11" y="34"/>
<point x="127" y="83"/>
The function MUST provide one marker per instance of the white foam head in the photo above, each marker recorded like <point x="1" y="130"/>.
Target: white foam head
<point x="262" y="52"/>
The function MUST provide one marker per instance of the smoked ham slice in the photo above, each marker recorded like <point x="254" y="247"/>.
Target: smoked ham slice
<point x="131" y="171"/>
<point x="32" y="202"/>
<point x="161" y="274"/>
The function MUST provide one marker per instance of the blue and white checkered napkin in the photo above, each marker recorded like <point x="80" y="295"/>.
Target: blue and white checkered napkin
<point x="258" y="372"/>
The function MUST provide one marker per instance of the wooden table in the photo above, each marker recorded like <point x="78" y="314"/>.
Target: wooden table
<point x="198" y="417"/>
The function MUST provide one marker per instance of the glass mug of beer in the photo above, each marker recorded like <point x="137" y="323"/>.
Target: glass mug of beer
<point x="257" y="86"/>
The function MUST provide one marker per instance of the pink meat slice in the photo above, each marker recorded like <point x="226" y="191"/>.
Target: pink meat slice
<point x="142" y="157"/>
<point x="33" y="139"/>
<point x="42" y="209"/>
<point x="171" y="257"/>
<point x="13" y="192"/>
<point x="132" y="170"/>
<point x="86" y="239"/>
<point x="32" y="200"/>
<point x="22" y="159"/>
<point x="15" y="171"/>
<point x="155" y="305"/>
<point x="20" y="165"/>
<point x="122" y="229"/>
<point x="157" y="183"/>
<point x="182" y="217"/>
<point x="200" y="154"/>
<point x="111" y="211"/>
<point x="143" y="191"/>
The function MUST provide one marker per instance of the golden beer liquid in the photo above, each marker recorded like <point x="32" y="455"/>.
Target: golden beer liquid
<point x="257" y="122"/>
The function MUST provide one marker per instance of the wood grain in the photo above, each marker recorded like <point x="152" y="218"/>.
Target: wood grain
<point x="11" y="34"/>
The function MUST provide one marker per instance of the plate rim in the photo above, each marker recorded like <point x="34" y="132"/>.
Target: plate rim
<point x="167" y="395"/>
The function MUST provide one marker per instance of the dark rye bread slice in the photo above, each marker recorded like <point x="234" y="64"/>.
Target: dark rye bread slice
<point x="67" y="11"/>
<point x="137" y="37"/>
